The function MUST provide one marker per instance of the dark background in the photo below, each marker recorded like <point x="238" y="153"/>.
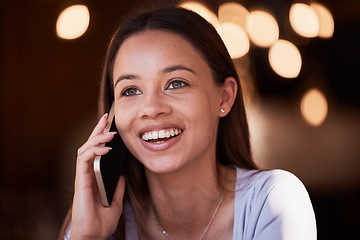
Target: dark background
<point x="49" y="91"/>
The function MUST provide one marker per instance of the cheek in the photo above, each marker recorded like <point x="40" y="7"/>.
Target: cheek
<point x="207" y="114"/>
<point x="124" y="120"/>
<point x="205" y="105"/>
<point x="202" y="113"/>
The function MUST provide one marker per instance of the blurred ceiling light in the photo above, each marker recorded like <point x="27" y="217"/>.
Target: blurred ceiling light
<point x="326" y="21"/>
<point x="233" y="12"/>
<point x="314" y="107"/>
<point x="235" y="39"/>
<point x="73" y="22"/>
<point x="202" y="11"/>
<point x="262" y="28"/>
<point x="285" y="59"/>
<point x="304" y="20"/>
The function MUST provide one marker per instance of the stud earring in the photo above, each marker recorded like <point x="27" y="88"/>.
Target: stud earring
<point x="222" y="110"/>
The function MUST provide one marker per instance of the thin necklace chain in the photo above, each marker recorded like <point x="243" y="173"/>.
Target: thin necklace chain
<point x="206" y="229"/>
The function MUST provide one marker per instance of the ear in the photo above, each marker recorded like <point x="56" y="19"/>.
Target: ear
<point x="228" y="95"/>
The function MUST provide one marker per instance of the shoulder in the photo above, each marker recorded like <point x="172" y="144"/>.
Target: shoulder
<point x="274" y="187"/>
<point x="264" y="181"/>
<point x="274" y="203"/>
<point x="280" y="191"/>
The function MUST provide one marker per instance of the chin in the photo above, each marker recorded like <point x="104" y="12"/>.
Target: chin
<point x="161" y="166"/>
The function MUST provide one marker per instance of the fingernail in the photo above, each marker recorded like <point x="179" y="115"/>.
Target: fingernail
<point x="103" y="116"/>
<point x="109" y="148"/>
<point x="111" y="133"/>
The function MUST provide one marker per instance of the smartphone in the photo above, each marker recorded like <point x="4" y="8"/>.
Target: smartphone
<point x="109" y="167"/>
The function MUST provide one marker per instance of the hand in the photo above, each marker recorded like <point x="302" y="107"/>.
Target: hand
<point x="90" y="220"/>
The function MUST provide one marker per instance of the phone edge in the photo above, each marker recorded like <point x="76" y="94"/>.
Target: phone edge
<point x="100" y="182"/>
<point x="97" y="160"/>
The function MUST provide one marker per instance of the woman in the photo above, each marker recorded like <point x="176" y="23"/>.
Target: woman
<point x="179" y="110"/>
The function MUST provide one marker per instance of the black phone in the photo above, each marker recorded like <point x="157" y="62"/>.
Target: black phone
<point x="109" y="167"/>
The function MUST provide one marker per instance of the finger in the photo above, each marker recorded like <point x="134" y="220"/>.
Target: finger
<point x="84" y="167"/>
<point x="100" y="126"/>
<point x="117" y="203"/>
<point x="96" y="140"/>
<point x="85" y="161"/>
<point x="90" y="154"/>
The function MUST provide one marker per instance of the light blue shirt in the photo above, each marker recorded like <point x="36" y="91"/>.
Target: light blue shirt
<point x="269" y="205"/>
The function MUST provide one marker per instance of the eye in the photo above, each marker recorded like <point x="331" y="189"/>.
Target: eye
<point x="131" y="91"/>
<point x="176" y="84"/>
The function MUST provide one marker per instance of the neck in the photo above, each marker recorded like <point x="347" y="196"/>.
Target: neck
<point x="186" y="200"/>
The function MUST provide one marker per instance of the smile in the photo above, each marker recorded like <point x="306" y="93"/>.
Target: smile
<point x="159" y="136"/>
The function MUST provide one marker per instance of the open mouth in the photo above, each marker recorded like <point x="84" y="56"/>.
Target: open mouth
<point x="160" y="136"/>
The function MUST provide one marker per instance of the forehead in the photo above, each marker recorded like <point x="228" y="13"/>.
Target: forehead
<point x="152" y="46"/>
<point x="155" y="37"/>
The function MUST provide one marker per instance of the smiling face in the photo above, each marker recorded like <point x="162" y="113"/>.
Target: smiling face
<point x="167" y="104"/>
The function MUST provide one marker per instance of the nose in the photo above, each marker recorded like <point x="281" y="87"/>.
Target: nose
<point x="154" y="105"/>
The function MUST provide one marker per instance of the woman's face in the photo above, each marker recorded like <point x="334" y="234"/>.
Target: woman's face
<point x="166" y="102"/>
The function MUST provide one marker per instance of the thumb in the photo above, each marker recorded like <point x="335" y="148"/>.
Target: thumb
<point x="117" y="203"/>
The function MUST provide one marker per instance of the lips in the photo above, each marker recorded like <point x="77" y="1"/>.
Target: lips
<point x="160" y="135"/>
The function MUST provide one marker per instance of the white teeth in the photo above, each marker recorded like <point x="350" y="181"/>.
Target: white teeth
<point x="155" y="135"/>
<point x="167" y="134"/>
<point x="145" y="136"/>
<point x="161" y="134"/>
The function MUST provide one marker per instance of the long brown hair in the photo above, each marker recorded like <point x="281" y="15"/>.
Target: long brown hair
<point x="233" y="145"/>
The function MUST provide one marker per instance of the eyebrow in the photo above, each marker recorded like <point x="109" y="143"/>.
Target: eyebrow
<point x="177" y="68"/>
<point x="129" y="77"/>
<point x="164" y="71"/>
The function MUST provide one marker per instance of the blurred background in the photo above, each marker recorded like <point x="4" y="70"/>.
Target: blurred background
<point x="298" y="62"/>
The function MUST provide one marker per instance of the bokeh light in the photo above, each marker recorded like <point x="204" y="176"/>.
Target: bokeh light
<point x="235" y="39"/>
<point x="285" y="59"/>
<point x="233" y="12"/>
<point x="304" y="20"/>
<point x="314" y="107"/>
<point x="262" y="28"/>
<point x="73" y="22"/>
<point x="326" y="20"/>
<point x="202" y="10"/>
